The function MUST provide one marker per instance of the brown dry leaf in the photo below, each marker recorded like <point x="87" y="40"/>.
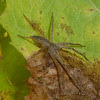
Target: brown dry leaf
<point x="43" y="83"/>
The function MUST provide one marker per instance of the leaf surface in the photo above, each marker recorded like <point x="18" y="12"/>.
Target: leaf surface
<point x="74" y="21"/>
<point x="13" y="74"/>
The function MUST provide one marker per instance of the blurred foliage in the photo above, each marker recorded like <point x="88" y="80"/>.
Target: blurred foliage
<point x="13" y="74"/>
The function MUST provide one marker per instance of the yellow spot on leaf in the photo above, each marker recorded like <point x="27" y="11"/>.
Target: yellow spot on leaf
<point x="5" y="34"/>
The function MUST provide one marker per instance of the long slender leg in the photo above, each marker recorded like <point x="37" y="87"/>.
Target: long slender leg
<point x="65" y="69"/>
<point x="28" y="20"/>
<point x="33" y="25"/>
<point x="56" y="65"/>
<point x="52" y="28"/>
<point x="36" y="53"/>
<point x="75" y="44"/>
<point x="26" y="38"/>
<point x="76" y="52"/>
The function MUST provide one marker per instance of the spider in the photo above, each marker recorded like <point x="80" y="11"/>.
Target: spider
<point x="53" y="50"/>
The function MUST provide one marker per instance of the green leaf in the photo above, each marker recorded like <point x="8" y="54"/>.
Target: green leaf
<point x="2" y="6"/>
<point x="76" y="21"/>
<point x="2" y="30"/>
<point x="13" y="74"/>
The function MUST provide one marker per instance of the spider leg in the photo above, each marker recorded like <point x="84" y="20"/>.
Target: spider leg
<point x="66" y="47"/>
<point x="52" y="28"/>
<point x="57" y="68"/>
<point x="32" y="25"/>
<point x="75" y="44"/>
<point x="36" y="53"/>
<point x="66" y="70"/>
<point x="28" y="21"/>
<point x="26" y="38"/>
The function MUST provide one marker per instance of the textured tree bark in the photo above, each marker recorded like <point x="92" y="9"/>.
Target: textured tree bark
<point x="43" y="83"/>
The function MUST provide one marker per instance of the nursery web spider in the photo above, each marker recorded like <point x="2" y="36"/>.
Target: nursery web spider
<point x="53" y="51"/>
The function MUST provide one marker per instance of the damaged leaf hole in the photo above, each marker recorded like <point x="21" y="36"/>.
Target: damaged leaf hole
<point x="60" y="78"/>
